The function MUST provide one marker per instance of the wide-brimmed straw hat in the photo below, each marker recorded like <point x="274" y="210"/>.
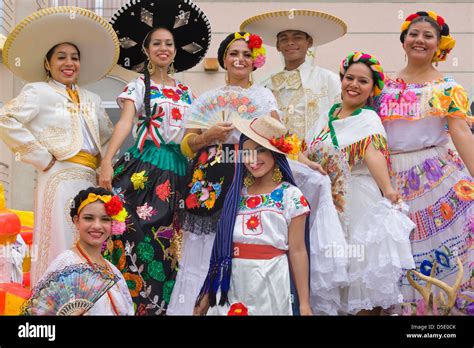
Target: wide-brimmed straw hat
<point x="189" y="25"/>
<point x="322" y="27"/>
<point x="26" y="46"/>
<point x="264" y="130"/>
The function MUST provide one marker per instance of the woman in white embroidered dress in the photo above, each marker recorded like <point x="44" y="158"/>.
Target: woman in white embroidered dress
<point x="94" y="221"/>
<point x="350" y="142"/>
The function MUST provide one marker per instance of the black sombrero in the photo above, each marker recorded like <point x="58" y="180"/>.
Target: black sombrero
<point x="187" y="22"/>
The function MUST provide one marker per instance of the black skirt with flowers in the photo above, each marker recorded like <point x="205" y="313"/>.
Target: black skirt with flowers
<point x="209" y="177"/>
<point x="150" y="183"/>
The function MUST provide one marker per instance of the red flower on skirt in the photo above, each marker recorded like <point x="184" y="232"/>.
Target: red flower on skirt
<point x="163" y="191"/>
<point x="192" y="201"/>
<point x="253" y="202"/>
<point x="238" y="309"/>
<point x="176" y="114"/>
<point x="253" y="222"/>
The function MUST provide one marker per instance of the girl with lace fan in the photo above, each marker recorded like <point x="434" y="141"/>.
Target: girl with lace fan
<point x="80" y="281"/>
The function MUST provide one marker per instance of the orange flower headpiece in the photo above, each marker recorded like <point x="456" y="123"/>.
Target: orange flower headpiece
<point x="446" y="43"/>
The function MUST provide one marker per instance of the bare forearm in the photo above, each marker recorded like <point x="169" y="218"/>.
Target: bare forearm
<point x="378" y="168"/>
<point x="121" y="131"/>
<point x="300" y="270"/>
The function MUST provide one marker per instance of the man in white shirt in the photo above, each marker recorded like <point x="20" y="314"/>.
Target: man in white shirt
<point x="303" y="90"/>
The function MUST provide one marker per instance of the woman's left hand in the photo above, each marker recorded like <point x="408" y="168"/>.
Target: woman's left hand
<point x="394" y="197"/>
<point x="306" y="310"/>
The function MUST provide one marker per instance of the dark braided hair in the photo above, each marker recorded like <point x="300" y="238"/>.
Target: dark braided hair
<point x="146" y="44"/>
<point x="220" y="269"/>
<point x="82" y="196"/>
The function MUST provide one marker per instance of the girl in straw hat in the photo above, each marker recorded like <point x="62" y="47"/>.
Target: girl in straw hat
<point x="150" y="176"/>
<point x="53" y="124"/>
<point x="437" y="184"/>
<point x="209" y="179"/>
<point x="261" y="231"/>
<point x="350" y="142"/>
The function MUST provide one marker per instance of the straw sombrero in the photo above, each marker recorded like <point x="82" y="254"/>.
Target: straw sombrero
<point x="26" y="46"/>
<point x="260" y="129"/>
<point x="322" y="27"/>
<point x="188" y="23"/>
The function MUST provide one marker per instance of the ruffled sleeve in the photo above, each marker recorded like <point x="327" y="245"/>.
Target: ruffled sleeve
<point x="451" y="101"/>
<point x="134" y="91"/>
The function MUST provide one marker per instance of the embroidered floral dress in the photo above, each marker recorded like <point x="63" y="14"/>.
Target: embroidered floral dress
<point x="210" y="174"/>
<point x="430" y="177"/>
<point x="149" y="178"/>
<point x="377" y="243"/>
<point x="263" y="286"/>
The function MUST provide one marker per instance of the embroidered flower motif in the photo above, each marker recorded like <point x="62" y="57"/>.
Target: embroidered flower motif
<point x="145" y="212"/>
<point x="163" y="191"/>
<point x="197" y="186"/>
<point x="238" y="309"/>
<point x="197" y="175"/>
<point x="169" y="93"/>
<point x="253" y="222"/>
<point x="442" y="259"/>
<point x="167" y="290"/>
<point x="253" y="202"/>
<point x="192" y="201"/>
<point x="119" y="170"/>
<point x="176" y="114"/>
<point x="204" y="194"/>
<point x="413" y="179"/>
<point x="209" y="203"/>
<point x="446" y="211"/>
<point x="460" y="99"/>
<point x="183" y="87"/>
<point x="117" y="191"/>
<point x="277" y="195"/>
<point x="425" y="267"/>
<point x="464" y="190"/>
<point x="118" y="255"/>
<point x="303" y="201"/>
<point x="156" y="270"/>
<point x="139" y="180"/>
<point x="432" y="170"/>
<point x="145" y="251"/>
<point x="134" y="283"/>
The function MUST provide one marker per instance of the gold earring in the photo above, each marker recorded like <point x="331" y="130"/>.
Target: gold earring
<point x="226" y="77"/>
<point x="150" y="67"/>
<point x="172" y="70"/>
<point x="310" y="53"/>
<point x="249" y="180"/>
<point x="250" y="79"/>
<point x="277" y="175"/>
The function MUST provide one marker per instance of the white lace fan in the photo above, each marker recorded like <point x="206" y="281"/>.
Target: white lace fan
<point x="217" y="106"/>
